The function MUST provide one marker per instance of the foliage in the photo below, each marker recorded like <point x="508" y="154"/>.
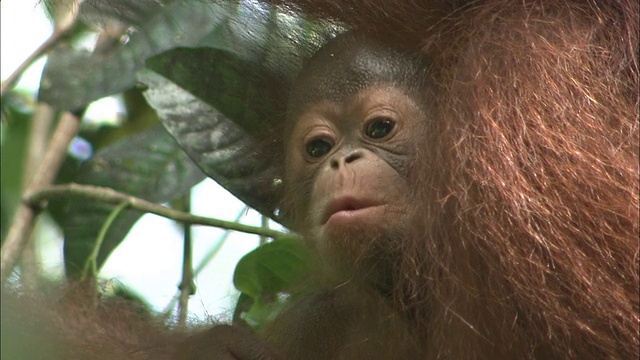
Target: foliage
<point x="209" y="70"/>
<point x="267" y="275"/>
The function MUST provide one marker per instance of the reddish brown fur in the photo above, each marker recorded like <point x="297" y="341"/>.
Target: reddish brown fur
<point x="69" y="326"/>
<point x="532" y="248"/>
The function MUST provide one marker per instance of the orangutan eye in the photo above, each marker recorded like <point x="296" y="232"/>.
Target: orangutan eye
<point x="318" y="147"/>
<point x="380" y="127"/>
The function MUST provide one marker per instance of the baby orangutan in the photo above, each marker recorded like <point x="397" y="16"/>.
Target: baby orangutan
<point x="481" y="204"/>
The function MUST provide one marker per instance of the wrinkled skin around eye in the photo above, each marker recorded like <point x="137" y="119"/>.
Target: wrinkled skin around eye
<point x="347" y="168"/>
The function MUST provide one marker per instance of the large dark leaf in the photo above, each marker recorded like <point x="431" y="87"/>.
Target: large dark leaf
<point x="222" y="148"/>
<point x="134" y="13"/>
<point x="248" y="94"/>
<point x="244" y="75"/>
<point x="259" y="50"/>
<point x="248" y="29"/>
<point x="149" y="165"/>
<point x="86" y="77"/>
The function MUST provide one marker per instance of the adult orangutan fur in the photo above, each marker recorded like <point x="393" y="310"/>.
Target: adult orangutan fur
<point x="532" y="248"/>
<point x="529" y="246"/>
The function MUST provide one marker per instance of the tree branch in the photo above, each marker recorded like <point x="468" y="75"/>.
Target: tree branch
<point x="41" y="50"/>
<point x="22" y="225"/>
<point x="110" y="196"/>
<point x="39" y="133"/>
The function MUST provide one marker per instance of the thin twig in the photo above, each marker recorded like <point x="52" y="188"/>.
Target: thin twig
<point x="187" y="286"/>
<point x="39" y="132"/>
<point x="264" y="223"/>
<point x="111" y="196"/>
<point x="41" y="50"/>
<point x="204" y="261"/>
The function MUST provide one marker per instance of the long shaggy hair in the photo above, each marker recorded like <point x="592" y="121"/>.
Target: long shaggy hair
<point x="526" y="243"/>
<point x="530" y="248"/>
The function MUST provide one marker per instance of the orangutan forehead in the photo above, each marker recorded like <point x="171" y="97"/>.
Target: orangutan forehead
<point x="350" y="64"/>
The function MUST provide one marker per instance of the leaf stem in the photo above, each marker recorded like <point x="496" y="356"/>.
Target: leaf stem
<point x="90" y="267"/>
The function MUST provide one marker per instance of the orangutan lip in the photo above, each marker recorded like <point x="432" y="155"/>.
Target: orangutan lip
<point x="347" y="203"/>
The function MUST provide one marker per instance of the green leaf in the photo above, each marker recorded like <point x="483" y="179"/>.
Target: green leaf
<point x="129" y="12"/>
<point x="271" y="269"/>
<point x="149" y="165"/>
<point x="222" y="149"/>
<point x="232" y="94"/>
<point x="233" y="86"/>
<point x="18" y="108"/>
<point x="86" y="76"/>
<point x="250" y="30"/>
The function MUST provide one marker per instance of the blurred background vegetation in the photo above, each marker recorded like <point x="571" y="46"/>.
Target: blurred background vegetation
<point x="151" y="99"/>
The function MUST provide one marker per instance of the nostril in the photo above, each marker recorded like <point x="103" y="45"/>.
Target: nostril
<point x="352" y="156"/>
<point x="340" y="159"/>
<point x="334" y="163"/>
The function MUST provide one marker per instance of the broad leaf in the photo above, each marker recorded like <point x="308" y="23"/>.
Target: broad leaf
<point x="267" y="277"/>
<point x="149" y="165"/>
<point x="235" y="87"/>
<point x="225" y="151"/>
<point x="272" y="268"/>
<point x="235" y="90"/>
<point x="86" y="77"/>
<point x="243" y="57"/>
<point x="128" y="12"/>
